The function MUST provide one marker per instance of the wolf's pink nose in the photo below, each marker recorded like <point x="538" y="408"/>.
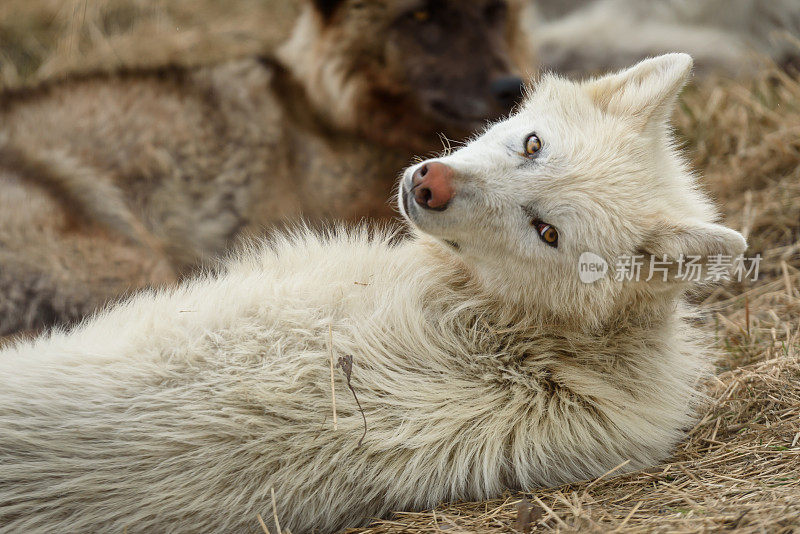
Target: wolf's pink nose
<point x="433" y="185"/>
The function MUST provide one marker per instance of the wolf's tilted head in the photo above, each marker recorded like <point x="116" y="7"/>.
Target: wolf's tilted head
<point x="404" y="71"/>
<point x="583" y="170"/>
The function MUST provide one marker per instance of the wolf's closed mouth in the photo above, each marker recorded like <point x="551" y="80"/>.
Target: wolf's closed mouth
<point x="407" y="199"/>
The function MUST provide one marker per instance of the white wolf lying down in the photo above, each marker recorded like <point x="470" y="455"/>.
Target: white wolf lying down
<point x="480" y="360"/>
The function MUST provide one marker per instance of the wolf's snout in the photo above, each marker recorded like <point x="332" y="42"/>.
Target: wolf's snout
<point x="508" y="90"/>
<point x="432" y="184"/>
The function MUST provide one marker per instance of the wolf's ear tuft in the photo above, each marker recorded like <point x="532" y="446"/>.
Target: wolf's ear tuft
<point x="645" y="92"/>
<point x="326" y="7"/>
<point x="685" y="240"/>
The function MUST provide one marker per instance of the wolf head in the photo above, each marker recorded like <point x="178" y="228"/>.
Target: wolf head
<point x="581" y="168"/>
<point x="403" y="72"/>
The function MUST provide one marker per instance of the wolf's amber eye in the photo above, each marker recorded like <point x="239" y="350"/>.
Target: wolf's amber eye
<point x="548" y="234"/>
<point x="532" y="145"/>
<point x="422" y="15"/>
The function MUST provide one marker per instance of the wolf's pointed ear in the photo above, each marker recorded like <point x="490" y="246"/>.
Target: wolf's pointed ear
<point x="699" y="242"/>
<point x="645" y="92"/>
<point x="326" y="7"/>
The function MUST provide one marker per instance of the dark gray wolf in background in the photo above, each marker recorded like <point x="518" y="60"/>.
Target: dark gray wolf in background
<point x="117" y="181"/>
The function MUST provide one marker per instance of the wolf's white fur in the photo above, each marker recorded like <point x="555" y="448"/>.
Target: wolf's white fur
<point x="477" y="369"/>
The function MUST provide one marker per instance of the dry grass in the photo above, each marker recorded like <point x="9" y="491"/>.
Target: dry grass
<point x="42" y="39"/>
<point x="740" y="467"/>
<point x="745" y="137"/>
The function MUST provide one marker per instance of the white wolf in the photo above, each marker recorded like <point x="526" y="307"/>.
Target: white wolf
<point x="480" y="360"/>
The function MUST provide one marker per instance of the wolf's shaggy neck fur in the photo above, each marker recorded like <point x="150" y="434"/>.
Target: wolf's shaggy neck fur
<point x="640" y="309"/>
<point x="180" y="411"/>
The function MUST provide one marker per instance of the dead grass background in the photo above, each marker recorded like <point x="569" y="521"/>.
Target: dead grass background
<point x="739" y="469"/>
<point x="41" y="39"/>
